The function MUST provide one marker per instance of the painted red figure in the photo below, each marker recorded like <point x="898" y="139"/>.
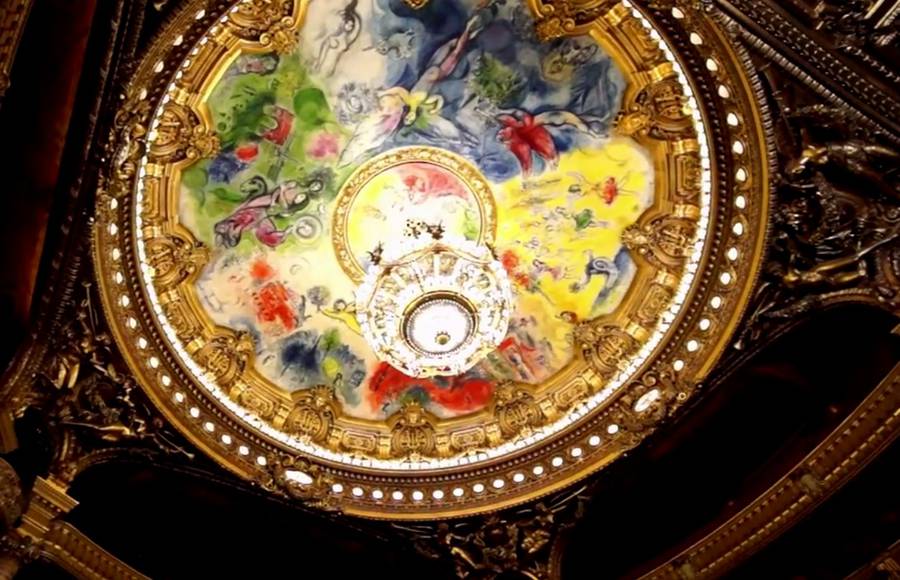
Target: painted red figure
<point x="526" y="137"/>
<point x="610" y="190"/>
<point x="510" y="263"/>
<point x="273" y="299"/>
<point x="424" y="183"/>
<point x="273" y="303"/>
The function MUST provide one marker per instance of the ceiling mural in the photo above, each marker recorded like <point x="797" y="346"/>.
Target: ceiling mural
<point x="531" y="120"/>
<point x="323" y="183"/>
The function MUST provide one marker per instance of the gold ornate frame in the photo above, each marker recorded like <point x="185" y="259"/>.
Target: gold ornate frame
<point x="137" y="239"/>
<point x="459" y="167"/>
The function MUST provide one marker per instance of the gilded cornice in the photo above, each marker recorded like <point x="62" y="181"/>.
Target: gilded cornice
<point x="71" y="550"/>
<point x="40" y="532"/>
<point x="858" y="440"/>
<point x="768" y="28"/>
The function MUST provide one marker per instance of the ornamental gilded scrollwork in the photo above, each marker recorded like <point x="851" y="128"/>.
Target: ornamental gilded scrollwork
<point x="127" y="143"/>
<point x="665" y="241"/>
<point x="605" y="347"/>
<point x="657" y="298"/>
<point x="412" y="433"/>
<point x="181" y="320"/>
<point x="262" y="406"/>
<point x="659" y="110"/>
<point x="688" y="175"/>
<point x="299" y="479"/>
<point x="269" y="22"/>
<point x="558" y="18"/>
<point x="577" y="390"/>
<point x="651" y="397"/>
<point x="174" y="259"/>
<point x="314" y="413"/>
<point x="516" y="410"/>
<point x="181" y="135"/>
<point x="225" y="356"/>
<point x="648" y="400"/>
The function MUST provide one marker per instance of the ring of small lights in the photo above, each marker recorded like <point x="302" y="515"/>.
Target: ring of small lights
<point x="736" y="153"/>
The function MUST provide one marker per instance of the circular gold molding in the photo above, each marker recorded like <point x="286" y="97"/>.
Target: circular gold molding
<point x="456" y="165"/>
<point x="714" y="159"/>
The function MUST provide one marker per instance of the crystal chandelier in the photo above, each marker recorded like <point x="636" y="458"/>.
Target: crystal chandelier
<point x="432" y="305"/>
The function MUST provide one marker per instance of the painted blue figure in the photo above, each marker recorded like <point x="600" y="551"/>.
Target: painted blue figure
<point x="465" y="68"/>
<point x="611" y="269"/>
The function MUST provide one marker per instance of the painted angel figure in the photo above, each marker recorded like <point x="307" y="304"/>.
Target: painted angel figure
<point x="417" y="108"/>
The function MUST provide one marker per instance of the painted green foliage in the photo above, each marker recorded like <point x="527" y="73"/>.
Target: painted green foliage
<point x="268" y="112"/>
<point x="496" y="82"/>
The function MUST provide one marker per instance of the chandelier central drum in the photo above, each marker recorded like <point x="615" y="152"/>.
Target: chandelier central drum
<point x="432" y="307"/>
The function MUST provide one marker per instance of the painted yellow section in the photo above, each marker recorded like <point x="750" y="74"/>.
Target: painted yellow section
<point x="381" y="209"/>
<point x="536" y="220"/>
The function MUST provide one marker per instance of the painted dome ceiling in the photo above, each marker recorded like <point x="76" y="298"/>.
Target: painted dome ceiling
<point x="524" y="158"/>
<point x="295" y="143"/>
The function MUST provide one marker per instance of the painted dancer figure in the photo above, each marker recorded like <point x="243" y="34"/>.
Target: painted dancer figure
<point x="340" y="32"/>
<point x="256" y="215"/>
